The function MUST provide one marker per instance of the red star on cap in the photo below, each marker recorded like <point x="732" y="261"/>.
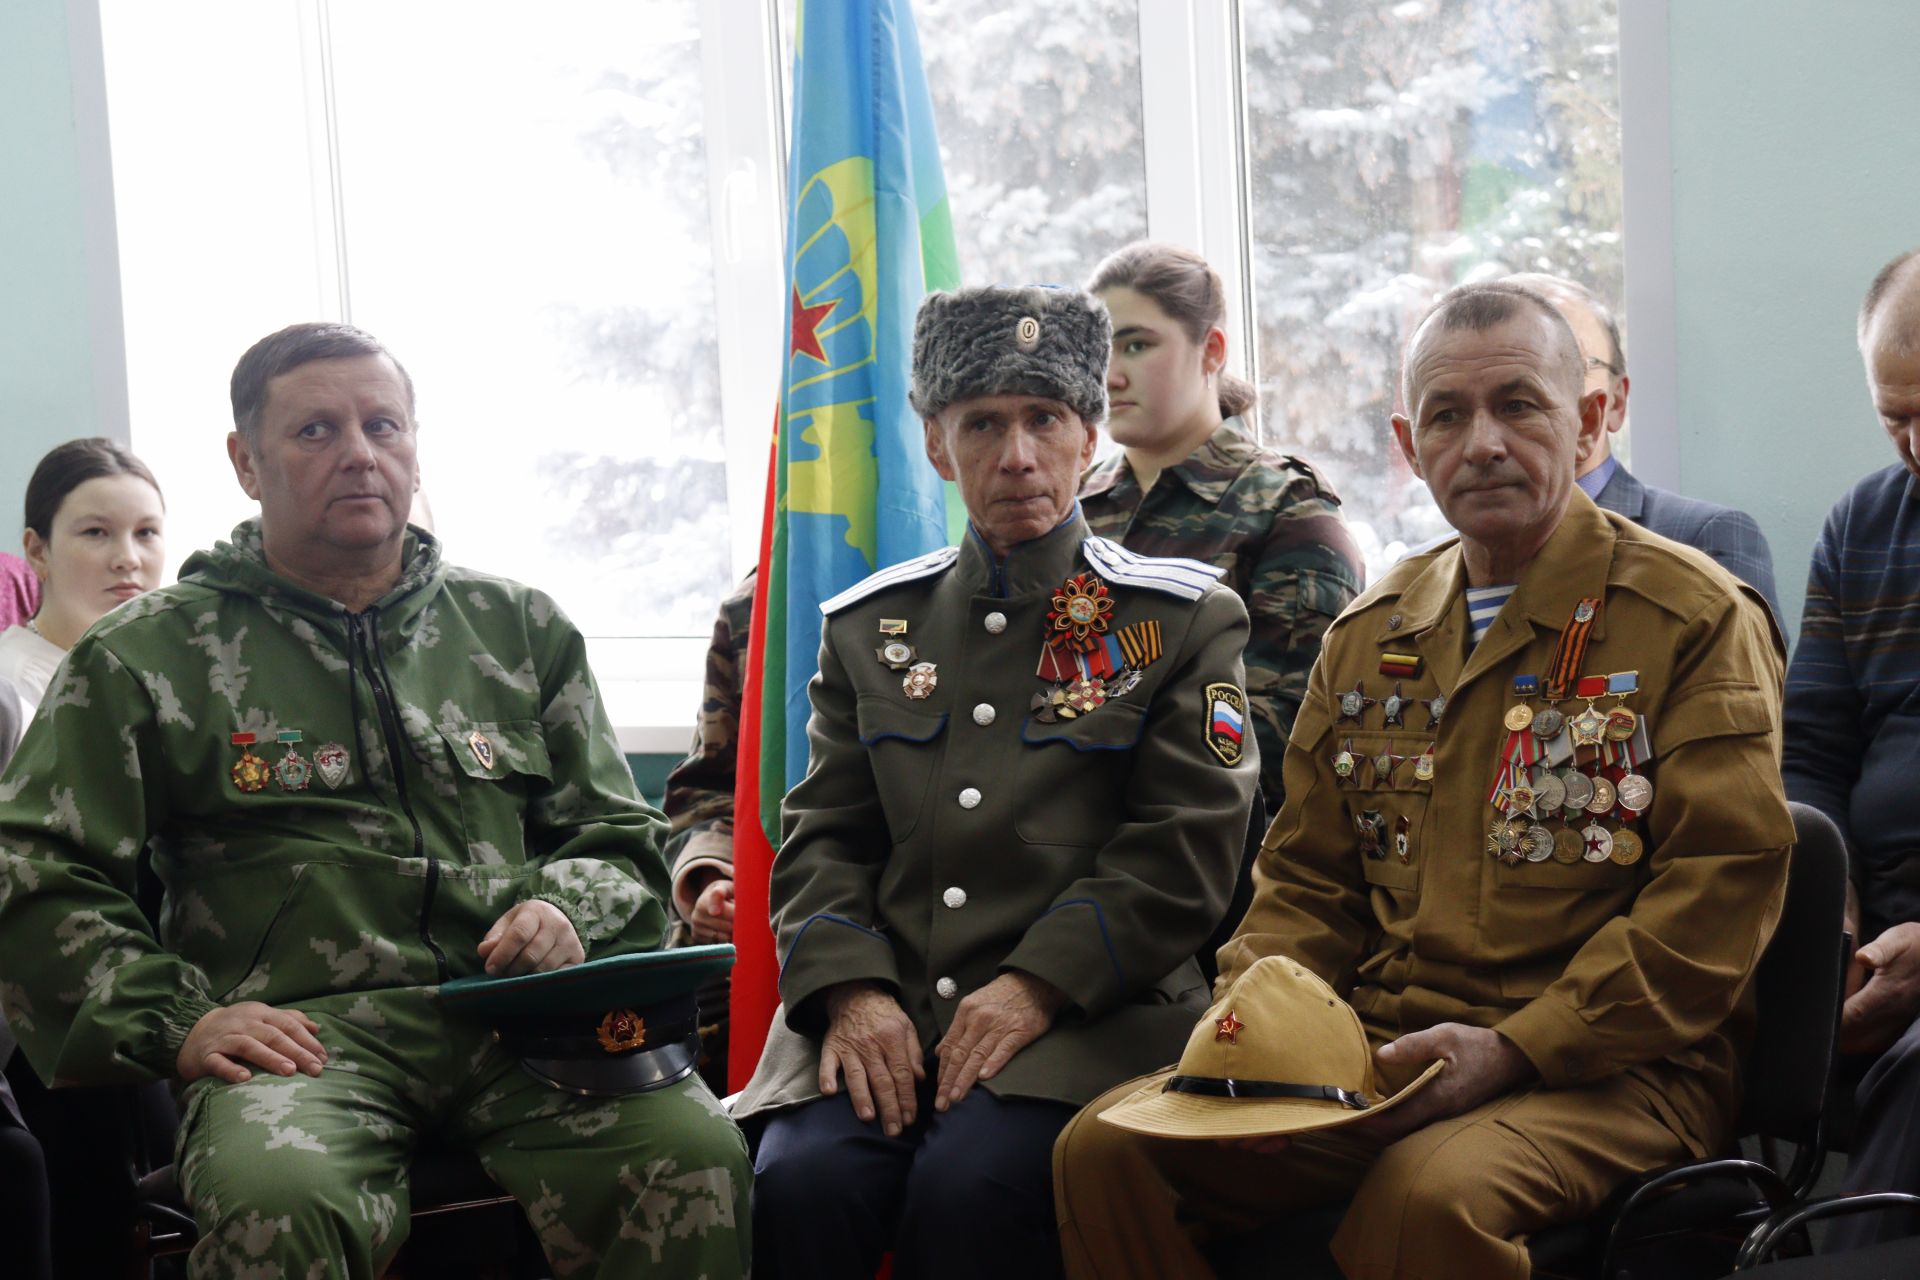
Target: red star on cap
<point x="806" y="326"/>
<point x="1230" y="1028"/>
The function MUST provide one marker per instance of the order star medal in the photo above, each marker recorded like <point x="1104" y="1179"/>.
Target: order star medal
<point x="921" y="680"/>
<point x="249" y="772"/>
<point x="1082" y="611"/>
<point x="331" y="763"/>
<point x="293" y="773"/>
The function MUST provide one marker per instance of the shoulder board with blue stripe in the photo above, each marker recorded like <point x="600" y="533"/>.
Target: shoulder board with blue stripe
<point x="906" y="571"/>
<point x="1187" y="579"/>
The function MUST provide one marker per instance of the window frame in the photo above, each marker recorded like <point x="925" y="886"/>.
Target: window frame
<point x="1194" y="135"/>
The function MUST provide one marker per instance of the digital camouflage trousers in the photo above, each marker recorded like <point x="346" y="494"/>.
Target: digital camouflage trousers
<point x="299" y="1178"/>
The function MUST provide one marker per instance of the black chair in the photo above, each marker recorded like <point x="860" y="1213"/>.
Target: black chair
<point x="1882" y="1261"/>
<point x="1687" y="1220"/>
<point x="1789" y="1069"/>
<point x="1242" y="892"/>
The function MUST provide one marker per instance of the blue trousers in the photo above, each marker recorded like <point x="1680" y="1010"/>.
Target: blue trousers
<point x="964" y="1195"/>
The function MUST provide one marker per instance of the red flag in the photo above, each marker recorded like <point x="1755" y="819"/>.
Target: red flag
<point x="756" y="971"/>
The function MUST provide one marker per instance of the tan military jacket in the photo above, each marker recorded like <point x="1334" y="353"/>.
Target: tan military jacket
<point x="937" y="842"/>
<point x="1589" y="968"/>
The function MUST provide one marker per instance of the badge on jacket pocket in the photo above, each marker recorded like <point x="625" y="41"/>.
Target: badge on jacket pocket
<point x="1226" y="722"/>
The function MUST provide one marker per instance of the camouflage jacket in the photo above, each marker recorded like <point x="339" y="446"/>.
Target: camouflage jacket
<point x="452" y="759"/>
<point x="1273" y="525"/>
<point x="699" y="802"/>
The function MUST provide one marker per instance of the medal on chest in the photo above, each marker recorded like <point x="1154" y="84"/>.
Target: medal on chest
<point x="249" y="772"/>
<point x="331" y="763"/>
<point x="1086" y="659"/>
<point x="1600" y="789"/>
<point x="292" y="771"/>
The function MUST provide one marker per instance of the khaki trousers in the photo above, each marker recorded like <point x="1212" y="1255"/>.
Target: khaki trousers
<point x="1454" y="1199"/>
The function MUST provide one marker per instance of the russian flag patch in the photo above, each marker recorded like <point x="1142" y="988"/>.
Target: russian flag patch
<point x="1226" y="722"/>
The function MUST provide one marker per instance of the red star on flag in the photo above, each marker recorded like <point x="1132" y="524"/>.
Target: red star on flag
<point x="806" y="327"/>
<point x="1230" y="1028"/>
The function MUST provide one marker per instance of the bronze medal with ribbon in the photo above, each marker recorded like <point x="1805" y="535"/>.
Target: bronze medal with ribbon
<point x="249" y="773"/>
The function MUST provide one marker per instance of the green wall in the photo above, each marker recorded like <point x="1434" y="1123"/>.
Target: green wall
<point x="650" y="774"/>
<point x="1794" y="179"/>
<point x="61" y="351"/>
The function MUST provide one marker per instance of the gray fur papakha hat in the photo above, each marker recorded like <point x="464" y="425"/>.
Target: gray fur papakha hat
<point x="1024" y="340"/>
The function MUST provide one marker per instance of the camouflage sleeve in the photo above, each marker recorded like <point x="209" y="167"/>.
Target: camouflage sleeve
<point x="596" y="842"/>
<point x="1309" y="570"/>
<point x="699" y="801"/>
<point x="87" y="988"/>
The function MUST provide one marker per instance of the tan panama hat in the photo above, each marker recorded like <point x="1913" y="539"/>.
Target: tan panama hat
<point x="1278" y="1053"/>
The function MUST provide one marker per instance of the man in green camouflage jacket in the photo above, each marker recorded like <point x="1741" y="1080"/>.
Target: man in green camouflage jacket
<point x="1273" y="526"/>
<point x="361" y="772"/>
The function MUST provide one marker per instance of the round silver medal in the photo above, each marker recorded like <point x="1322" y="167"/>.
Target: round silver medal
<point x="1635" y="793"/>
<point x="1548" y="723"/>
<point x="1579" y="789"/>
<point x="1550" y="793"/>
<point x="1538" y="843"/>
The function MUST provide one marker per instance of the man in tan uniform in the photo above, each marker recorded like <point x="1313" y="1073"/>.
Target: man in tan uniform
<point x="1549" y="854"/>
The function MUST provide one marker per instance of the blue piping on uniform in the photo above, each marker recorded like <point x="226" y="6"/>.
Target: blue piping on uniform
<point x="1100" y="917"/>
<point x="931" y="734"/>
<point x="822" y="915"/>
<point x="1128" y="745"/>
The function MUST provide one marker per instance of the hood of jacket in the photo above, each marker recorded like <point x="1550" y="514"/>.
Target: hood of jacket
<point x="238" y="566"/>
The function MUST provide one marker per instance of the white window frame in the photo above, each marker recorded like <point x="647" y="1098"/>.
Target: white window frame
<point x="1193" y="115"/>
<point x="1646" y="183"/>
<point x="1193" y="124"/>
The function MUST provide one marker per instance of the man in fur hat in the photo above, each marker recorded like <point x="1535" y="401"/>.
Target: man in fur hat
<point x="1029" y="786"/>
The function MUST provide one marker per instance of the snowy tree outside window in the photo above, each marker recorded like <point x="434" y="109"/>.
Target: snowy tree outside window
<point x="1398" y="150"/>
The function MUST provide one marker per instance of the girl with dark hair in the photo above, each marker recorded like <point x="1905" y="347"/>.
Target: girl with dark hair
<point x="94" y="524"/>
<point x="1193" y="480"/>
<point x="95" y="539"/>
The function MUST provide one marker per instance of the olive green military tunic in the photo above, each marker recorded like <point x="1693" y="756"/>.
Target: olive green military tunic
<point x="1624" y="980"/>
<point x="940" y="840"/>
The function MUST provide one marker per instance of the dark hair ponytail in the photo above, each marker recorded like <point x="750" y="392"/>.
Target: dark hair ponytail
<point x="68" y="466"/>
<point x="1181" y="284"/>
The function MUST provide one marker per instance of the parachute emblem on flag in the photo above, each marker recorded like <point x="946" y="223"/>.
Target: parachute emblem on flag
<point x="849" y="490"/>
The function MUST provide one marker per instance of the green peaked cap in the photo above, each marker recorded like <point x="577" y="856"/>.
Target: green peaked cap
<point x="616" y="982"/>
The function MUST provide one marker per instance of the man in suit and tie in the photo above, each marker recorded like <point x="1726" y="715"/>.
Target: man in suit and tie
<point x="1731" y="537"/>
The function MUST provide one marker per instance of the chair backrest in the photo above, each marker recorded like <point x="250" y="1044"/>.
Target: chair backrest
<point x="1799" y="989"/>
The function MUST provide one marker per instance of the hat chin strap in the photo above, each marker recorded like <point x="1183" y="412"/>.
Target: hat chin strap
<point x="1226" y="1087"/>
